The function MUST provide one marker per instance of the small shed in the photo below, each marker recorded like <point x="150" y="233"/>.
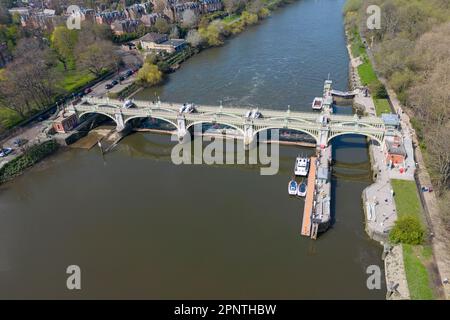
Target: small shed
<point x="390" y="120"/>
<point x="65" y="123"/>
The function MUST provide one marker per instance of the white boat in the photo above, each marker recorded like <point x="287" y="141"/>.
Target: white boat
<point x="301" y="166"/>
<point x="317" y="103"/>
<point x="301" y="191"/>
<point x="292" y="188"/>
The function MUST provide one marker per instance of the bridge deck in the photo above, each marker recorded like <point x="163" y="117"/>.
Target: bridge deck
<point x="307" y="213"/>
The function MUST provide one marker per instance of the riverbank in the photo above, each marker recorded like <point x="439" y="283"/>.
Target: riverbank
<point x="398" y="267"/>
<point x="27" y="159"/>
<point x="212" y="31"/>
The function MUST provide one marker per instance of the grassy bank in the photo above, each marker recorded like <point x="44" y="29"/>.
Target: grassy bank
<point x="407" y="200"/>
<point x="415" y="259"/>
<point x="30" y="157"/>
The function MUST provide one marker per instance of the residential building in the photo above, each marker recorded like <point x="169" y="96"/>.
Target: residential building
<point x="156" y="42"/>
<point x="208" y="6"/>
<point x="120" y="27"/>
<point x="149" y="19"/>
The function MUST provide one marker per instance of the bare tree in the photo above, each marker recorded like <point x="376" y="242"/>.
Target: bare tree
<point x="29" y="81"/>
<point x="97" y="57"/>
<point x="194" y="38"/>
<point x="190" y="19"/>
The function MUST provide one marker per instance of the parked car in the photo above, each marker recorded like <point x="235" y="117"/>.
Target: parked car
<point x="128" y="104"/>
<point x="5" y="151"/>
<point x="129" y="73"/>
<point x="19" y="142"/>
<point x="87" y="90"/>
<point x="44" y="116"/>
<point x="114" y="82"/>
<point x="108" y="86"/>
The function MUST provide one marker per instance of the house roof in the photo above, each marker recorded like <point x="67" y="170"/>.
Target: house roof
<point x="154" y="37"/>
<point x="175" y="42"/>
<point x="390" y="119"/>
<point x="395" y="147"/>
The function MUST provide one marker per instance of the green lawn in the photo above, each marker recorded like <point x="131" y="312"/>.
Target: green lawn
<point x="417" y="276"/>
<point x="9" y="118"/>
<point x="407" y="202"/>
<point x="366" y="73"/>
<point x="231" y="18"/>
<point x="73" y="79"/>
<point x="382" y="106"/>
<point x="357" y="46"/>
<point x="406" y="198"/>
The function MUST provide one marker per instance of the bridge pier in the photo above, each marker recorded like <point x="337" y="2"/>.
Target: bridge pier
<point x="249" y="135"/>
<point x="322" y="141"/>
<point x="119" y="121"/>
<point x="182" y="131"/>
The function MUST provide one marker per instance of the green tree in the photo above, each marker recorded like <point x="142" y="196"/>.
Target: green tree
<point x="407" y="229"/>
<point x="249" y="18"/>
<point x="149" y="75"/>
<point x="213" y="33"/>
<point x="64" y="41"/>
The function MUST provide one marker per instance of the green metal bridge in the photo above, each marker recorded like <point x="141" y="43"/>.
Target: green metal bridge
<point x="322" y="127"/>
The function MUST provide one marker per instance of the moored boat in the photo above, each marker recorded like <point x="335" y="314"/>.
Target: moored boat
<point x="301" y="167"/>
<point x="292" y="187"/>
<point x="317" y="103"/>
<point x="301" y="191"/>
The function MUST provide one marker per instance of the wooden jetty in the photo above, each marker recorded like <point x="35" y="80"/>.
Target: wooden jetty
<point x="309" y="200"/>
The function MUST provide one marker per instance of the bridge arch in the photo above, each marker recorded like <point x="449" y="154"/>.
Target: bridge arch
<point x="216" y="122"/>
<point x="376" y="138"/>
<point x="150" y="117"/>
<point x="97" y="112"/>
<point x="311" y="134"/>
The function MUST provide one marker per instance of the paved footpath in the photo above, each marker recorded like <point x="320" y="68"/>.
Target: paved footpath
<point x="440" y="240"/>
<point x="378" y="200"/>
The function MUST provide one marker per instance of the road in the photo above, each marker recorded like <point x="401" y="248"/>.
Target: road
<point x="34" y="131"/>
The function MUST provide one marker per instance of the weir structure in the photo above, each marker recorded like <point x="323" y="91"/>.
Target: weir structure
<point x="321" y="129"/>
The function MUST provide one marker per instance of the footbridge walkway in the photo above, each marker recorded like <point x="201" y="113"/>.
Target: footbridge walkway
<point x="321" y="127"/>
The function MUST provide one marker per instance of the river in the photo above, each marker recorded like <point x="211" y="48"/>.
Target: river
<point x="141" y="227"/>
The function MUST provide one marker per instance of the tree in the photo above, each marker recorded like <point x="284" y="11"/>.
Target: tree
<point x="213" y="34"/>
<point x="232" y="6"/>
<point x="149" y="75"/>
<point x="29" y="81"/>
<point x="438" y="147"/>
<point x="174" y="33"/>
<point x="64" y="41"/>
<point x="190" y="19"/>
<point x="159" y="5"/>
<point x="194" y="38"/>
<point x="249" y="18"/>
<point x="97" y="57"/>
<point x="407" y="229"/>
<point x="162" y="26"/>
